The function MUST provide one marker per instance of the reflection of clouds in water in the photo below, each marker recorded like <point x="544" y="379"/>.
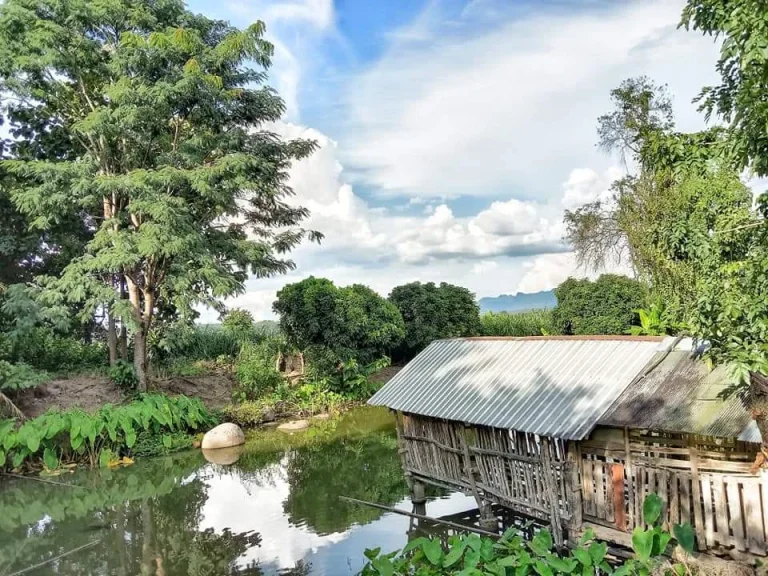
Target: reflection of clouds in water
<point x="232" y="505"/>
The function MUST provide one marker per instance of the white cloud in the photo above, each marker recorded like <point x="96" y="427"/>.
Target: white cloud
<point x="511" y="106"/>
<point x="584" y="185"/>
<point x="548" y="270"/>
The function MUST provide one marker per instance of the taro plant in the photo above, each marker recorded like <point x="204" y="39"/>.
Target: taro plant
<point x="472" y="555"/>
<point x="98" y="438"/>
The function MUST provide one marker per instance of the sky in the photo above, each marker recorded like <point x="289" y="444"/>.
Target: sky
<point x="454" y="133"/>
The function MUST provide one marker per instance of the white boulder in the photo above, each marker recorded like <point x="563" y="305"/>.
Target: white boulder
<point x="223" y="436"/>
<point x="293" y="426"/>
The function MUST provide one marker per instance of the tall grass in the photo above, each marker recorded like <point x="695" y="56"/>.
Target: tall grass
<point x="528" y="323"/>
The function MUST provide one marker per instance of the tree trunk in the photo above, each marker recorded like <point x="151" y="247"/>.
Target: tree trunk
<point x="123" y="327"/>
<point x="111" y="338"/>
<point x="140" y="357"/>
<point x="758" y="404"/>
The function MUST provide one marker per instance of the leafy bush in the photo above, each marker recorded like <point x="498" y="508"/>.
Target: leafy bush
<point x="16" y="377"/>
<point x="605" y="306"/>
<point x="98" y="438"/>
<point x="255" y="370"/>
<point x="239" y="323"/>
<point x="471" y="555"/>
<point x="306" y="400"/>
<point x="123" y="374"/>
<point x="529" y="323"/>
<point x="353" y="380"/>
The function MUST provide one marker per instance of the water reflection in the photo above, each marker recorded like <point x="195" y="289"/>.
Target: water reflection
<point x="274" y="511"/>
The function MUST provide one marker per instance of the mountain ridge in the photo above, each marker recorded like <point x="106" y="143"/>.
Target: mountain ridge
<point x="518" y="302"/>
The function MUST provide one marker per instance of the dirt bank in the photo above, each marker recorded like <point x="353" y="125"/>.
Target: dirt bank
<point x="91" y="392"/>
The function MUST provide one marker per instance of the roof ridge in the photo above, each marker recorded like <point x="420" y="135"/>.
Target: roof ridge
<point x="595" y="337"/>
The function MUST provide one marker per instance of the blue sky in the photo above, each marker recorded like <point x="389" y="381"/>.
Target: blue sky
<point x="453" y="133"/>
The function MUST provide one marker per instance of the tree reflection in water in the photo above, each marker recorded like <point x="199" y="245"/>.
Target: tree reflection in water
<point x="147" y="518"/>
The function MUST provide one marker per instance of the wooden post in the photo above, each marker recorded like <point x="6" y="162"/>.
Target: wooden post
<point x="548" y="474"/>
<point x="402" y="450"/>
<point x="617" y="487"/>
<point x="630" y="479"/>
<point x="698" y="521"/>
<point x="470" y="471"/>
<point x="574" y="485"/>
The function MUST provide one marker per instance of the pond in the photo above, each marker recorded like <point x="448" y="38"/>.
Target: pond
<point x="275" y="511"/>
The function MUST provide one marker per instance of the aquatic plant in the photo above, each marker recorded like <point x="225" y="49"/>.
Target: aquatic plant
<point x="100" y="438"/>
<point x="472" y="555"/>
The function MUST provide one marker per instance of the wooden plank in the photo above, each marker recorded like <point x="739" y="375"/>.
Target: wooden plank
<point x="685" y="498"/>
<point x="575" y="493"/>
<point x="607" y="471"/>
<point x="597" y="472"/>
<point x="753" y="516"/>
<point x="764" y="500"/>
<point x="587" y="479"/>
<point x="674" y="499"/>
<point x="698" y="521"/>
<point x="734" y="511"/>
<point x="548" y="477"/>
<point x="709" y="520"/>
<point x="721" y="511"/>
<point x="617" y="480"/>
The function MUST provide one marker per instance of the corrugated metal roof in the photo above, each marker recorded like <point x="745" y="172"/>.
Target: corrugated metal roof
<point x="550" y="386"/>
<point x="681" y="395"/>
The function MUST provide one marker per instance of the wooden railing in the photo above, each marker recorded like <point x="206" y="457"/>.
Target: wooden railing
<point x="705" y="485"/>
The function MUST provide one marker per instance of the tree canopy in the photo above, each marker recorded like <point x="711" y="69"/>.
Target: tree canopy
<point x="431" y="312"/>
<point x="159" y="118"/>
<point x="350" y="322"/>
<point x="606" y="306"/>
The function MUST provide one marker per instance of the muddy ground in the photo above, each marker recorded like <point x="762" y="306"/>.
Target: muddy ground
<point x="91" y="392"/>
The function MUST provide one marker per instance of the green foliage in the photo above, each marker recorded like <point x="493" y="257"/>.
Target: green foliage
<point x="433" y="312"/>
<point x="305" y="400"/>
<point x="76" y="436"/>
<point x="239" y="323"/>
<point x="196" y="343"/>
<point x="353" y="380"/>
<point x="44" y="349"/>
<point x="654" y="321"/>
<point x="17" y="377"/>
<point x="123" y="374"/>
<point x="159" y="119"/>
<point x="472" y="555"/>
<point x="527" y="323"/>
<point x="738" y="99"/>
<point x="350" y="322"/>
<point x="605" y="306"/>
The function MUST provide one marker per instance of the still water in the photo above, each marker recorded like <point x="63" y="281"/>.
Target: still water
<point x="275" y="511"/>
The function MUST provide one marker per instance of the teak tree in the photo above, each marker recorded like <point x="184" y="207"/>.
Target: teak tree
<point x="164" y="113"/>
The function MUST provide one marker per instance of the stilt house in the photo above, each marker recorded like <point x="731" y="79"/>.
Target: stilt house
<point x="576" y="431"/>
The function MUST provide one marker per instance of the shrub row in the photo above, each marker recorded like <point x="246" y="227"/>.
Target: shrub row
<point x="97" y="439"/>
<point x="528" y="323"/>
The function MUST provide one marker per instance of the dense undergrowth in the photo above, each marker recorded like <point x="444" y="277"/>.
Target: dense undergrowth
<point x="58" y="438"/>
<point x="528" y="323"/>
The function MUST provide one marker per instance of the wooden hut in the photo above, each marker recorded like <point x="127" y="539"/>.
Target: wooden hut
<point x="575" y="431"/>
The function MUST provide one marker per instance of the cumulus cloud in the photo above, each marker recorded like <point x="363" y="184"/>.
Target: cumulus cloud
<point x="584" y="185"/>
<point x="479" y="110"/>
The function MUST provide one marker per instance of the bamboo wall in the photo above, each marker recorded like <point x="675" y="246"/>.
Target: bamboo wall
<point x="520" y="471"/>
<point x="703" y="480"/>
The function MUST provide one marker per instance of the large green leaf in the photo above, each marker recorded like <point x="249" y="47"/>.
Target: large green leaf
<point x="433" y="551"/>
<point x="685" y="536"/>
<point x="642" y="542"/>
<point x="652" y="508"/>
<point x="50" y="459"/>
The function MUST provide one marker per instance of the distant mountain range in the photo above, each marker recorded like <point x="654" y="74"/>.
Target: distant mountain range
<point x="518" y="302"/>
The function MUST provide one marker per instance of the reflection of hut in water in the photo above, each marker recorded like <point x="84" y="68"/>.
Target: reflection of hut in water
<point x="576" y="431"/>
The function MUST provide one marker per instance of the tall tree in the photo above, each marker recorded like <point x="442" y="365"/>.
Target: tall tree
<point x="349" y="322"/>
<point x="606" y="306"/>
<point x="732" y="311"/>
<point x="166" y="117"/>
<point x="431" y="312"/>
